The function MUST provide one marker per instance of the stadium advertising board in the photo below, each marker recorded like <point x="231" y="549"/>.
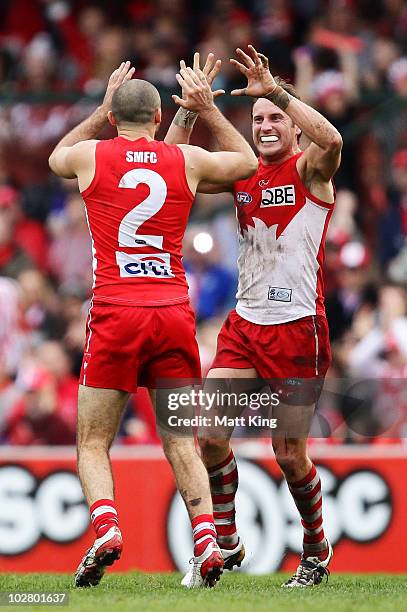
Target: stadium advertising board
<point x="44" y="524"/>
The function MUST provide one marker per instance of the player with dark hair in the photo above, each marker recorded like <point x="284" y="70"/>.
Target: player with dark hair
<point x="278" y="329"/>
<point x="138" y="194"/>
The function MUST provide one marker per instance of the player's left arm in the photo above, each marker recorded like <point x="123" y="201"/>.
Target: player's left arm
<point x="71" y="151"/>
<point x="322" y="158"/>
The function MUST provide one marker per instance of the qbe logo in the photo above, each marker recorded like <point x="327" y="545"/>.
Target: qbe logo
<point x="278" y="196"/>
<point x="31" y="508"/>
<point x="357" y="507"/>
<point x="153" y="265"/>
<point x="243" y="198"/>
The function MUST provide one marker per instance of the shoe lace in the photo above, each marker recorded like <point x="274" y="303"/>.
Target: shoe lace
<point x="308" y="570"/>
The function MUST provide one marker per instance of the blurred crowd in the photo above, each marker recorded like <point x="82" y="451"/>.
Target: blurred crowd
<point x="348" y="58"/>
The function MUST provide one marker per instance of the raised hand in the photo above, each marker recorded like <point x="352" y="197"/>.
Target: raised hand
<point x="119" y="76"/>
<point x="195" y="83"/>
<point x="210" y="70"/>
<point x="255" y="67"/>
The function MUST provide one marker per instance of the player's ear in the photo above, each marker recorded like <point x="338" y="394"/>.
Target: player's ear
<point x="157" y="116"/>
<point x="111" y="119"/>
<point x="298" y="132"/>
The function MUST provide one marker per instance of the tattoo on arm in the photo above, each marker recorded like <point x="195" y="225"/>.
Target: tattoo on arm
<point x="185" y="118"/>
<point x="196" y="502"/>
<point x="279" y="97"/>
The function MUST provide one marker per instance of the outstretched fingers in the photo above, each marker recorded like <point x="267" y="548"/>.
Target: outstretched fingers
<point x="264" y="60"/>
<point x="213" y="72"/>
<point x="123" y="73"/>
<point x="208" y="67"/>
<point x="248" y="61"/>
<point x="129" y="75"/>
<point x="190" y="76"/>
<point x="179" y="101"/>
<point x="254" y="55"/>
<point x="243" y="69"/>
<point x="196" y="63"/>
<point x="238" y="92"/>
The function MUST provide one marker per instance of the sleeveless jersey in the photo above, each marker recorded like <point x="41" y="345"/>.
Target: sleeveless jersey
<point x="137" y="208"/>
<point x="281" y="245"/>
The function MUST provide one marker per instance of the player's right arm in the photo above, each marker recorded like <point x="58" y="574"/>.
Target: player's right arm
<point x="217" y="171"/>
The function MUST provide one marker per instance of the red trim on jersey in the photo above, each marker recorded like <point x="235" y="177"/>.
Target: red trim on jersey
<point x="188" y="191"/>
<point x="86" y="192"/>
<point x="310" y="196"/>
<point x="320" y="299"/>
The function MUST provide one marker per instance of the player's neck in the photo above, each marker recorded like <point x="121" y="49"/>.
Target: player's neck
<point x="135" y="133"/>
<point x="269" y="161"/>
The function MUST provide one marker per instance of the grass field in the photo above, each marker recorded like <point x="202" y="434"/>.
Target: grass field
<point x="238" y="592"/>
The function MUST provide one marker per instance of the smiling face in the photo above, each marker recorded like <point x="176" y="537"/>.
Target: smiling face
<point x="274" y="133"/>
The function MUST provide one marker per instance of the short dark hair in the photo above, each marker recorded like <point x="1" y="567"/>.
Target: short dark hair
<point x="288" y="87"/>
<point x="136" y="101"/>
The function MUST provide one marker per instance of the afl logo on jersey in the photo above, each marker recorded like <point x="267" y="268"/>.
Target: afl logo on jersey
<point x="243" y="198"/>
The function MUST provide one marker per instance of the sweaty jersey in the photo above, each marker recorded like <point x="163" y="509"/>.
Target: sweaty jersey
<point x="137" y="207"/>
<point x="281" y="245"/>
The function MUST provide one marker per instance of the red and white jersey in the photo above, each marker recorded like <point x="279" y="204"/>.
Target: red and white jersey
<point x="281" y="245"/>
<point x="137" y="207"/>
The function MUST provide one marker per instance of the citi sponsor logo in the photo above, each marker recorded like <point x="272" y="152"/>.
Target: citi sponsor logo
<point x="278" y="196"/>
<point x="141" y="157"/>
<point x="147" y="264"/>
<point x="243" y="198"/>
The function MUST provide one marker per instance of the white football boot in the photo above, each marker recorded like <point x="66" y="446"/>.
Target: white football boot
<point x="310" y="571"/>
<point x="105" y="551"/>
<point x="233" y="556"/>
<point x="206" y="569"/>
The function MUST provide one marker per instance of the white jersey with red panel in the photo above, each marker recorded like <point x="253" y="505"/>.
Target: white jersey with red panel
<point x="281" y="245"/>
<point x="137" y="208"/>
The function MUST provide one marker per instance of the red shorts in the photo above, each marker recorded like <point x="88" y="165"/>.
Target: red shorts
<point x="131" y="346"/>
<point x="297" y="349"/>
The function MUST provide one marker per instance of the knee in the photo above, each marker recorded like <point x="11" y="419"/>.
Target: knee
<point x="93" y="445"/>
<point x="174" y="446"/>
<point x="210" y="446"/>
<point x="292" y="460"/>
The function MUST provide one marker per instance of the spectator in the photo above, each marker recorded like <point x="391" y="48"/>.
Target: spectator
<point x="70" y="255"/>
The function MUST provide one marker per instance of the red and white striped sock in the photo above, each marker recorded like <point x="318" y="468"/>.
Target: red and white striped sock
<point x="203" y="531"/>
<point x="224" y="480"/>
<point x="308" y="499"/>
<point x="103" y="514"/>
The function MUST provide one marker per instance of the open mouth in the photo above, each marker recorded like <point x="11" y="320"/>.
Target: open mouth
<point x="269" y="138"/>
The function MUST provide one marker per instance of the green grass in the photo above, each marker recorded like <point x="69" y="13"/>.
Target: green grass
<point x="235" y="592"/>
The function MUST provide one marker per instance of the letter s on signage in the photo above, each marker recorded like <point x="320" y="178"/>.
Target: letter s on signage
<point x="18" y="517"/>
<point x="30" y="509"/>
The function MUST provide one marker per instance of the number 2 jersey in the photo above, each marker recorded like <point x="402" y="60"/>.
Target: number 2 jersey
<point x="281" y="245"/>
<point x="137" y="207"/>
